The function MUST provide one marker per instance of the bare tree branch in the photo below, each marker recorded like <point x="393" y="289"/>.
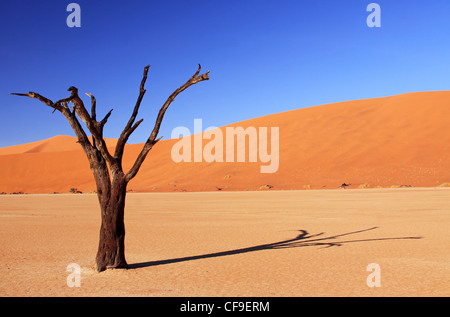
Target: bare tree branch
<point x="198" y="70"/>
<point x="105" y="119"/>
<point x="97" y="133"/>
<point x="192" y="81"/>
<point x="134" y="127"/>
<point x="93" y="107"/>
<point x="74" y="123"/>
<point x="151" y="141"/>
<point x="109" y="177"/>
<point x="48" y="102"/>
<point x="127" y="131"/>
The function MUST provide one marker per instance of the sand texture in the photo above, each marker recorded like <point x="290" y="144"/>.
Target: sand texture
<point x="273" y="243"/>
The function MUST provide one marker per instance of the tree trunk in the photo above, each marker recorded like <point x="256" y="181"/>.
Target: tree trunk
<point x="107" y="169"/>
<point x="111" y="248"/>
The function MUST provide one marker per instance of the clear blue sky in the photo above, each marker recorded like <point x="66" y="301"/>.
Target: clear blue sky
<point x="265" y="57"/>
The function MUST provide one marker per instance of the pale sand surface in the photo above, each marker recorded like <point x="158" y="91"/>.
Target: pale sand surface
<point x="42" y="234"/>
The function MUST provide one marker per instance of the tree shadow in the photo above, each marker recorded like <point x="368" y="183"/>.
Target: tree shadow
<point x="301" y="240"/>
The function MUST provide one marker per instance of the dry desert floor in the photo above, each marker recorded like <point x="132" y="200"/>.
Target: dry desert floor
<point x="271" y="243"/>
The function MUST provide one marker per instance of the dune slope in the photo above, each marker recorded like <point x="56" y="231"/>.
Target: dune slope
<point x="390" y="141"/>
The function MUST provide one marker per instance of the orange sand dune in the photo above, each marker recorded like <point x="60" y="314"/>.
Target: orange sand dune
<point x="390" y="141"/>
<point x="59" y="143"/>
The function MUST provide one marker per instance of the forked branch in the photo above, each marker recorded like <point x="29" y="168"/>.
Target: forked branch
<point x="129" y="128"/>
<point x="151" y="141"/>
<point x="109" y="176"/>
<point x="96" y="127"/>
<point x="93" y="126"/>
<point x="61" y="106"/>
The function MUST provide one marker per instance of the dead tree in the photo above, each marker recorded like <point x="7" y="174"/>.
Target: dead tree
<point x="110" y="178"/>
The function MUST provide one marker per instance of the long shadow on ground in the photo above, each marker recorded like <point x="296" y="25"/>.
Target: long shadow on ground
<point x="302" y="240"/>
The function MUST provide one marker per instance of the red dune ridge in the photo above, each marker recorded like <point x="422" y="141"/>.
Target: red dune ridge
<point x="402" y="140"/>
